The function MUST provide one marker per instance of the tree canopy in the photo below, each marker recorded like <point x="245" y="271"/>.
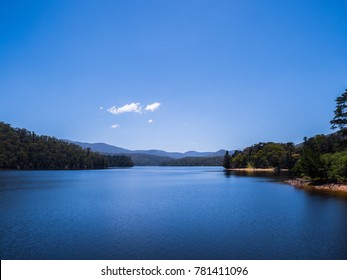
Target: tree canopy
<point x="265" y="155"/>
<point x="23" y="149"/>
<point x="340" y="114"/>
<point x="323" y="158"/>
<point x="194" y="161"/>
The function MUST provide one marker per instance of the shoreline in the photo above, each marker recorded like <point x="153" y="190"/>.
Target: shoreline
<point x="330" y="188"/>
<point x="254" y="169"/>
<point x="250" y="169"/>
<point x="338" y="189"/>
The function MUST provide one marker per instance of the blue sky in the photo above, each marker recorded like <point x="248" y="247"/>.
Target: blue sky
<point x="172" y="75"/>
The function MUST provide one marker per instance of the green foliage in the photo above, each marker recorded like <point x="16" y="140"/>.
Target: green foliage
<point x="148" y="160"/>
<point x="340" y="118"/>
<point x="324" y="143"/>
<point x="239" y="160"/>
<point x="195" y="161"/>
<point x="336" y="166"/>
<point x="265" y="155"/>
<point x="322" y="158"/>
<point x="310" y="165"/>
<point x="22" y="149"/>
<point x="120" y="161"/>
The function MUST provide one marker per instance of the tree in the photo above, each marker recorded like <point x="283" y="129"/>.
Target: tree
<point x="310" y="164"/>
<point x="340" y="118"/>
<point x="226" y="161"/>
<point x="336" y="166"/>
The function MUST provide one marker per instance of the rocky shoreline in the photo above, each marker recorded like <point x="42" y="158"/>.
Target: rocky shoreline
<point x="332" y="188"/>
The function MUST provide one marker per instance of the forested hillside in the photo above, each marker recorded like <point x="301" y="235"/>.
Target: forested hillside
<point x="23" y="149"/>
<point x="195" y="161"/>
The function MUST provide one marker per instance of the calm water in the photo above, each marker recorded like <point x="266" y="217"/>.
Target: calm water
<point x="165" y="213"/>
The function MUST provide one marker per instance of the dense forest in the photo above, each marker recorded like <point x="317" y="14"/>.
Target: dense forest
<point x="119" y="161"/>
<point x="322" y="158"/>
<point x="147" y="160"/>
<point x="194" y="161"/>
<point x="23" y="149"/>
<point x="264" y="155"/>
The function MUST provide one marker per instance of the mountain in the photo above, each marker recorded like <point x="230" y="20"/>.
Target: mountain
<point x="177" y="155"/>
<point x="109" y="149"/>
<point x="100" y="147"/>
<point x="204" y="154"/>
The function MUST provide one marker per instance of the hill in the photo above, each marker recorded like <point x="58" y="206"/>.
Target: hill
<point x="100" y="147"/>
<point x="23" y="149"/>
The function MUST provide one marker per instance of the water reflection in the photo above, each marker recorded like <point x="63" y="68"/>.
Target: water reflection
<point x="282" y="175"/>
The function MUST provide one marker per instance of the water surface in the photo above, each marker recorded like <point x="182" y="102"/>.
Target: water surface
<point x="165" y="213"/>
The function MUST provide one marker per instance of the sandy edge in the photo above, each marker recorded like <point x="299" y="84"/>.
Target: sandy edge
<point x="253" y="169"/>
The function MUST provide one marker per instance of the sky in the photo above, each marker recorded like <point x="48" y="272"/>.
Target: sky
<point x="173" y="75"/>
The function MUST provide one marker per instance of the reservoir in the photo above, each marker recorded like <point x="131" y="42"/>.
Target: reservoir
<point x="165" y="213"/>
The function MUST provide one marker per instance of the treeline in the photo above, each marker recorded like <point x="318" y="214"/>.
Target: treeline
<point x="322" y="158"/>
<point x="119" y="161"/>
<point x="148" y="160"/>
<point x="23" y="149"/>
<point x="195" y="161"/>
<point x="264" y="155"/>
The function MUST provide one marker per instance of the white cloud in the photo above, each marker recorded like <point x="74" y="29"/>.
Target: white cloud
<point x="152" y="107"/>
<point x="132" y="107"/>
<point x="115" y="126"/>
<point x="101" y="108"/>
<point x="150" y="121"/>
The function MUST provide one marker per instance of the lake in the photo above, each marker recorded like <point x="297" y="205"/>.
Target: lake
<point x="165" y="213"/>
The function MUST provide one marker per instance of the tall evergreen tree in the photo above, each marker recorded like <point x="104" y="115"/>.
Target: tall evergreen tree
<point x="340" y="118"/>
<point x="226" y="161"/>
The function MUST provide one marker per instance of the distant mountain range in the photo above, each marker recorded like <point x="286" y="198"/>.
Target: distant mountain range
<point x="109" y="149"/>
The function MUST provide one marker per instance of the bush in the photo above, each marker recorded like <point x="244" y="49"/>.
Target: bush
<point x="336" y="166"/>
